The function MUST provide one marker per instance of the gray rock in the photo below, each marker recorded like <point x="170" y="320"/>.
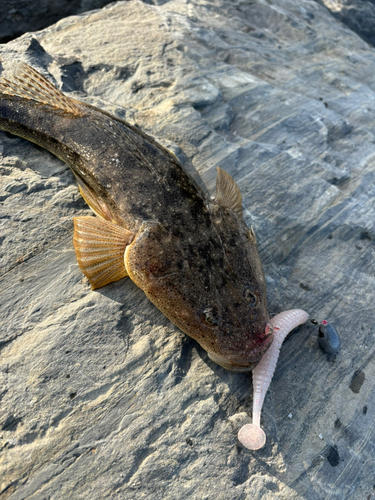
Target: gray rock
<point x="101" y="396"/>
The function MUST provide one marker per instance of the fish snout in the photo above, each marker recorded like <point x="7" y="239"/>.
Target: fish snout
<point x="244" y="358"/>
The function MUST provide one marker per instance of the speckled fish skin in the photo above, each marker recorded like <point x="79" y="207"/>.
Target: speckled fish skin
<point x="195" y="260"/>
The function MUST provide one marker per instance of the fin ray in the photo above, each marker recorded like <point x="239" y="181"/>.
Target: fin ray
<point x="28" y="83"/>
<point x="100" y="247"/>
<point x="228" y="193"/>
<point x="96" y="205"/>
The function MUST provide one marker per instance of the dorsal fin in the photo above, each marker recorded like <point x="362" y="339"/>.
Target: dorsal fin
<point x="97" y="206"/>
<point x="228" y="194"/>
<point x="27" y="83"/>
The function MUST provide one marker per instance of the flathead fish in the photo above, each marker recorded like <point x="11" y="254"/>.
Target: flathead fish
<point x="193" y="256"/>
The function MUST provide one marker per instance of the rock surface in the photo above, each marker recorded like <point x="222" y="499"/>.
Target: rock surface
<point x="100" y="395"/>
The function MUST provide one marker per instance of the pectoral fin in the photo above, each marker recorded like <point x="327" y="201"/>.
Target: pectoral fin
<point x="228" y="194"/>
<point x="100" y="247"/>
<point x="96" y="205"/>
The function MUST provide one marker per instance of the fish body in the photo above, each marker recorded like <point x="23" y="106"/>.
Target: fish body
<point x="193" y="256"/>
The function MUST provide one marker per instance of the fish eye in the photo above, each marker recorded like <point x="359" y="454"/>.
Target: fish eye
<point x="211" y="316"/>
<point x="250" y="297"/>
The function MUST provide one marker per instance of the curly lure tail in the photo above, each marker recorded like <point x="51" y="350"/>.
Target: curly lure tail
<point x="251" y="435"/>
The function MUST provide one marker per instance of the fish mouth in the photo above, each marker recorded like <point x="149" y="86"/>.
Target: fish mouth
<point x="232" y="365"/>
<point x="239" y="363"/>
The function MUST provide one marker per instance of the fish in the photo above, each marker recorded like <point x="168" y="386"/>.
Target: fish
<point x="191" y="254"/>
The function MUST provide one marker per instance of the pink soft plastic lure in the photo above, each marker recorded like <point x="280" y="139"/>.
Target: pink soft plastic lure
<point x="251" y="435"/>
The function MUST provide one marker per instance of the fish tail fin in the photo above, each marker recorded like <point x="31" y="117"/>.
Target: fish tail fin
<point x="27" y="83"/>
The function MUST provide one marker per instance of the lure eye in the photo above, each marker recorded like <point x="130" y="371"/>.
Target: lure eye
<point x="211" y="316"/>
<point x="250" y="296"/>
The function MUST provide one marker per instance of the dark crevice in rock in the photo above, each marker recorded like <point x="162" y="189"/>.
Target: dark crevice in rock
<point x="6" y="341"/>
<point x="357" y="381"/>
<point x="11" y="423"/>
<point x="333" y="456"/>
<point x="19" y="17"/>
<point x="357" y="15"/>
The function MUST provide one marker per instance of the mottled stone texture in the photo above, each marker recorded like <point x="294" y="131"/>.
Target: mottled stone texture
<point x="100" y="395"/>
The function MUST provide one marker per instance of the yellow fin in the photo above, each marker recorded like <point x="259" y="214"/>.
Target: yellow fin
<point x="96" y="205"/>
<point x="100" y="247"/>
<point x="27" y="83"/>
<point x="228" y="194"/>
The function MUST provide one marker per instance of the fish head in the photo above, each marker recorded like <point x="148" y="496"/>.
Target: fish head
<point x="211" y="286"/>
<point x="238" y="318"/>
